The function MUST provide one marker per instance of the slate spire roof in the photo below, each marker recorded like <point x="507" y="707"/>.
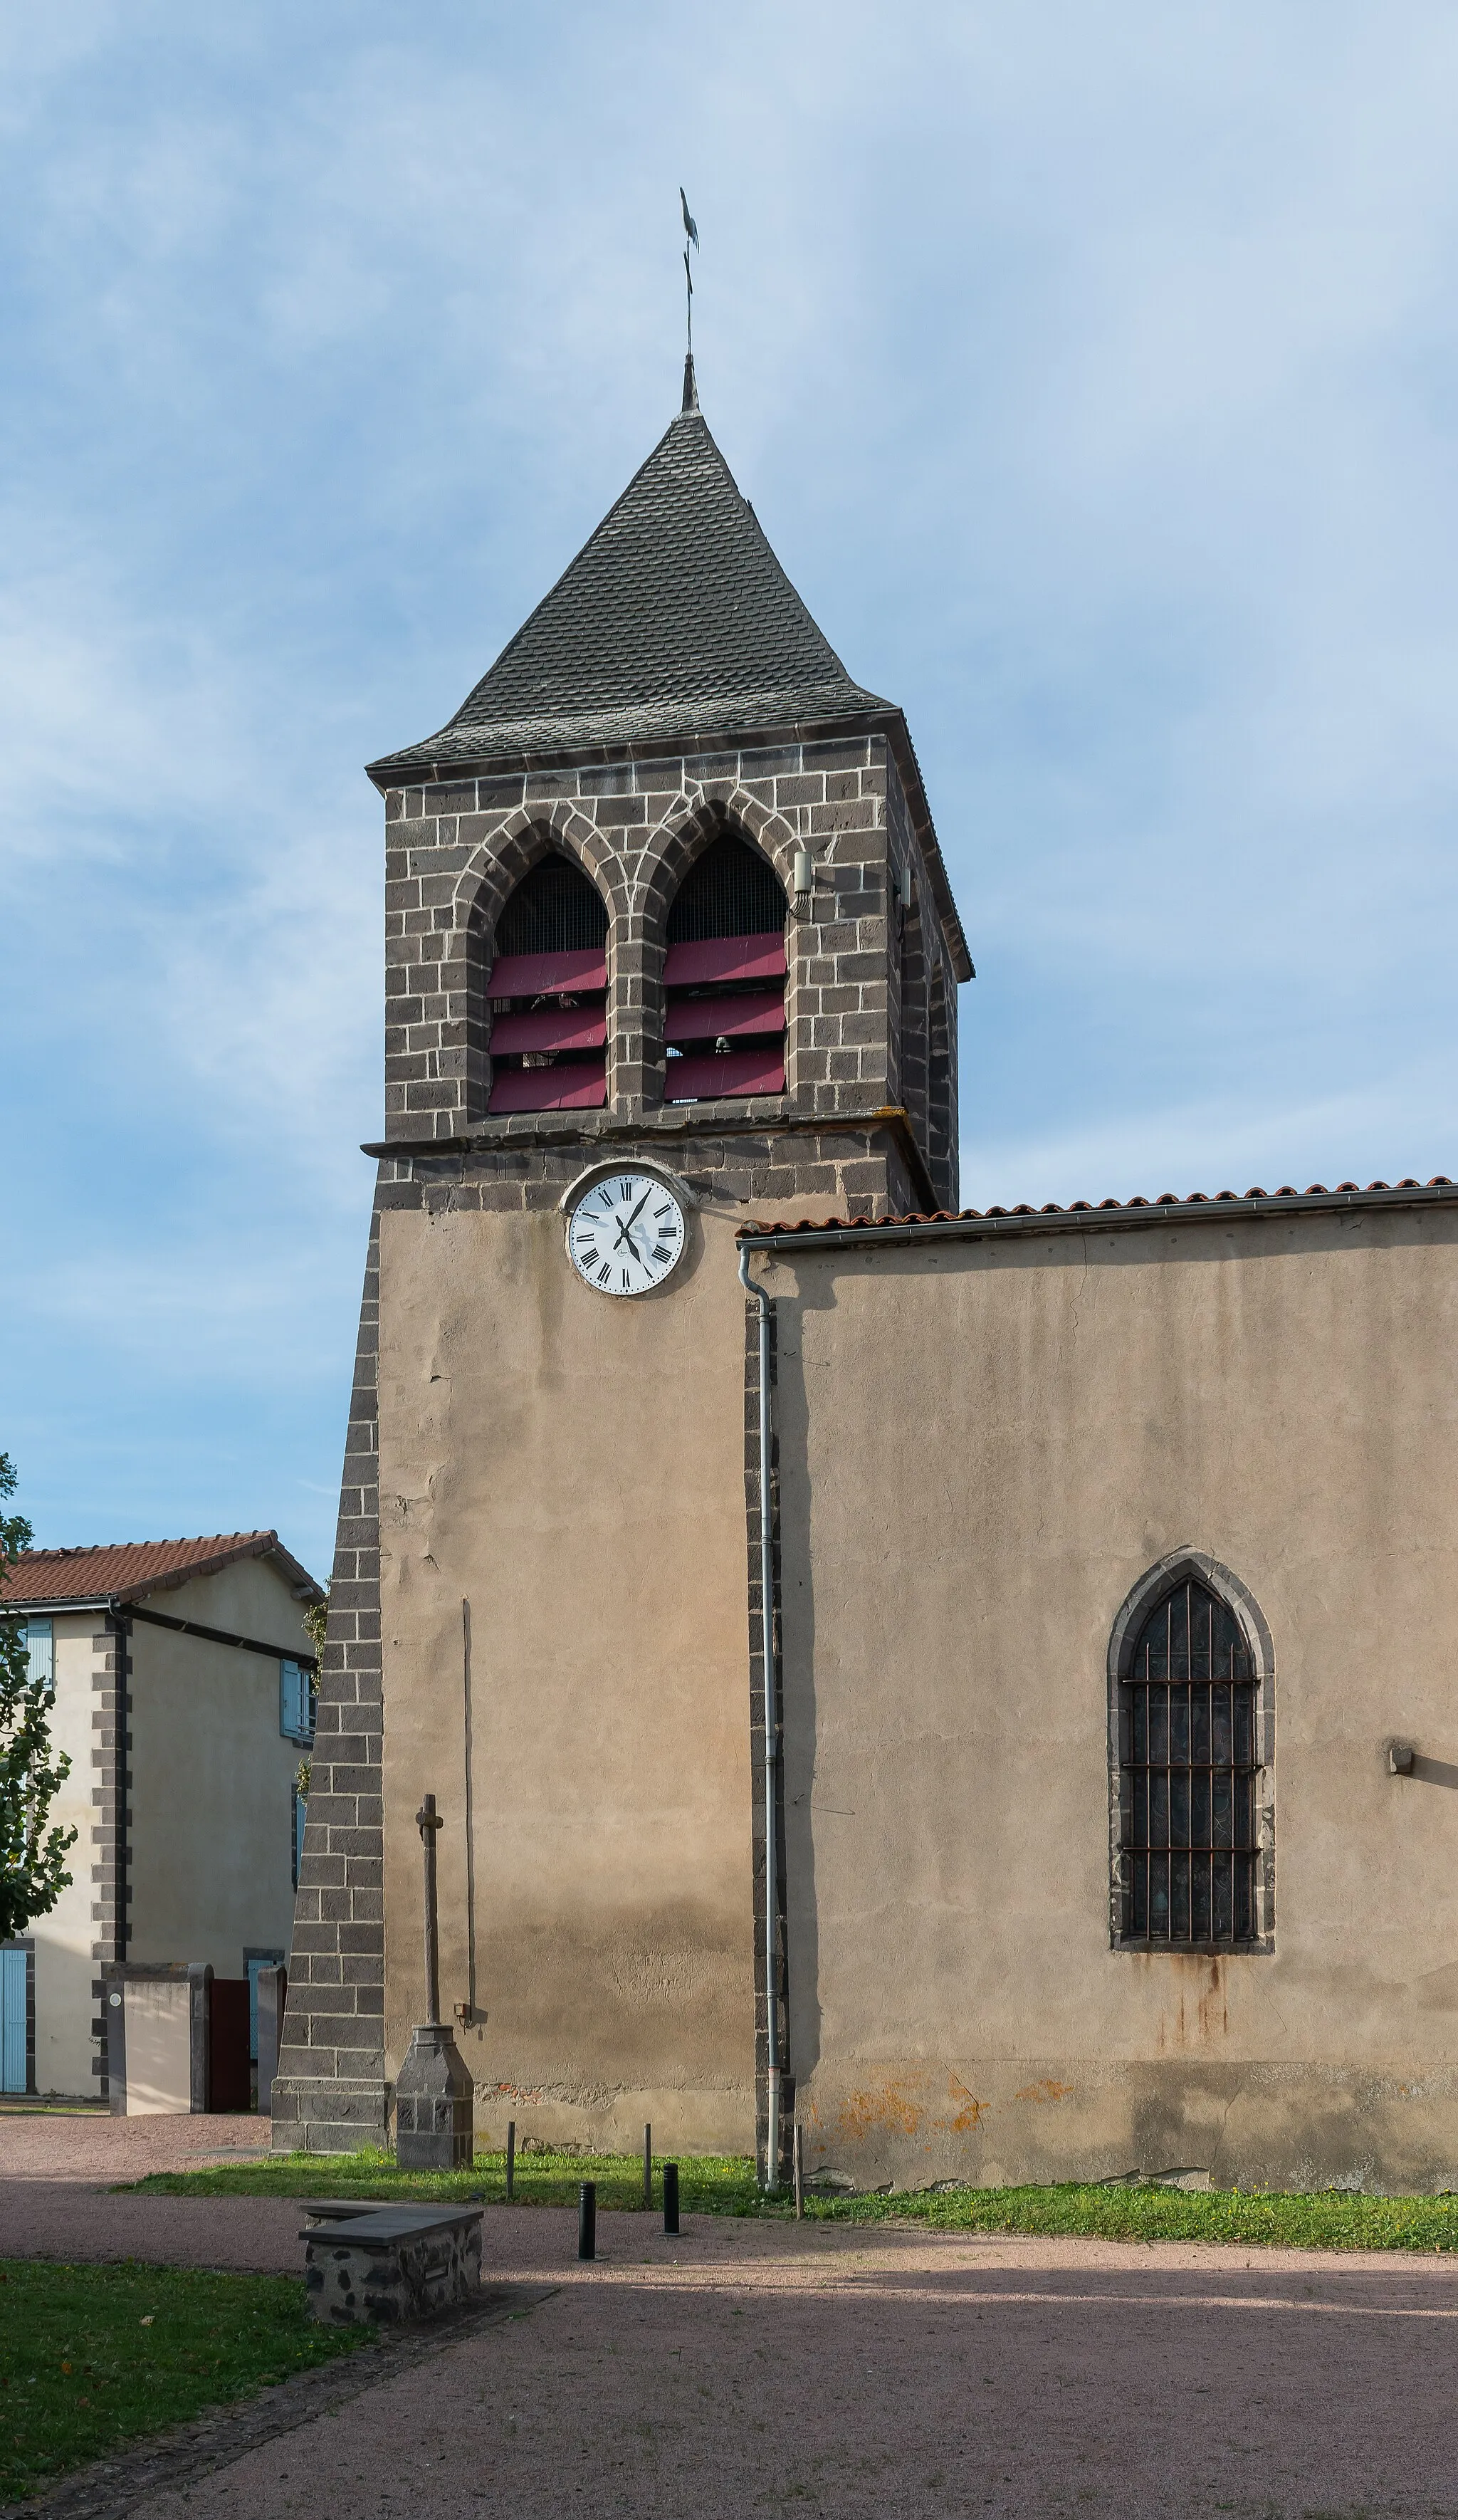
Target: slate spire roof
<point x="674" y="622"/>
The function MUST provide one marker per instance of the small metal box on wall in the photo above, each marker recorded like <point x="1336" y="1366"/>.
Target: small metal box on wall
<point x="158" y="2016"/>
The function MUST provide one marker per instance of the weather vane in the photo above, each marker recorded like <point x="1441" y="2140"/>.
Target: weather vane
<point x="690" y="238"/>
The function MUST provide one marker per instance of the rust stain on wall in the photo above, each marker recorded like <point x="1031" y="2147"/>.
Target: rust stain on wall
<point x="1046" y="2090"/>
<point x="1213" y="2010"/>
<point x="890" y="2107"/>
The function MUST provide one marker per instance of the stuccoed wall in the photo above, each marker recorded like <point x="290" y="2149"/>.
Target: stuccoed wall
<point x="64" y="1964"/>
<point x="982" y="1447"/>
<point x="574" y="1467"/>
<point x="210" y="1856"/>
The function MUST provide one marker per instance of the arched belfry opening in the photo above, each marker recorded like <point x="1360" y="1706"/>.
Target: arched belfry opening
<point x="548" y="994"/>
<point x="724" y="977"/>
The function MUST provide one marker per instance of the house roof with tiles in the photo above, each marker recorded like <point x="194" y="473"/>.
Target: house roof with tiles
<point x="129" y="1571"/>
<point x="674" y="622"/>
<point x="1080" y="1215"/>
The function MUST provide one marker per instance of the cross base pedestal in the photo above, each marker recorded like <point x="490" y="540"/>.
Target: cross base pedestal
<point x="434" y="2126"/>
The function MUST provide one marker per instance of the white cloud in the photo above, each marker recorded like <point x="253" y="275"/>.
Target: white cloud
<point x="1093" y="370"/>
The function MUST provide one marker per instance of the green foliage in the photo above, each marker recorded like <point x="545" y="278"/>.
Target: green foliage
<point x="33" y="1857"/>
<point x="316" y="1620"/>
<point x="723" y="2183"/>
<point x="93" y="2356"/>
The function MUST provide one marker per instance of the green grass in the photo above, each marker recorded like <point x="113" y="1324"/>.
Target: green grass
<point x="708" y="2182"/>
<point x="721" y="2184"/>
<point x="91" y="2358"/>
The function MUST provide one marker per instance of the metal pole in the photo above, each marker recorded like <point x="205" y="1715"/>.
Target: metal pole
<point x="587" y="2219"/>
<point x="772" y="1746"/>
<point x="671" y="2200"/>
<point x="510" y="2157"/>
<point x="428" y="1823"/>
<point x="799" y="2173"/>
<point x="471" y="1825"/>
<point x="648" y="2168"/>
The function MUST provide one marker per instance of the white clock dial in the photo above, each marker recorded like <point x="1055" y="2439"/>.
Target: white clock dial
<point x="626" y="1235"/>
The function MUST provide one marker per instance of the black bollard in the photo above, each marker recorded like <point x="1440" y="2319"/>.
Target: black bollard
<point x="669" y="2200"/>
<point x="587" y="2219"/>
<point x="510" y="2157"/>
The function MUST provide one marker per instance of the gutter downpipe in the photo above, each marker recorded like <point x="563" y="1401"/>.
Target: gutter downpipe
<point x="772" y="1747"/>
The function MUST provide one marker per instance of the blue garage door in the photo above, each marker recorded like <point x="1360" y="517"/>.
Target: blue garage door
<point x="13" y="1966"/>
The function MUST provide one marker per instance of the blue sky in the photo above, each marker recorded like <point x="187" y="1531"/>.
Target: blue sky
<point x="1093" y="369"/>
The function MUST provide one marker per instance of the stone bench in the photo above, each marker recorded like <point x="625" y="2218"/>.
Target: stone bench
<point x="374" y="2264"/>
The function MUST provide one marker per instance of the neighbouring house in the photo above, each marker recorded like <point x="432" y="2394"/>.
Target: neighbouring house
<point x="182" y="1680"/>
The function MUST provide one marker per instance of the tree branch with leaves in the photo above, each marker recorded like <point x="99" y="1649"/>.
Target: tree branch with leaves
<point x="33" y="1855"/>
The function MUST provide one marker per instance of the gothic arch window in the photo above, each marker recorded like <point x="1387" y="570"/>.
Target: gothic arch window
<point x="724" y="977"/>
<point x="547" y="993"/>
<point x="1190" y="1720"/>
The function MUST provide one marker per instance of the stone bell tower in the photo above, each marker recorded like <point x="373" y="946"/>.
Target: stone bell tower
<point x="665" y="892"/>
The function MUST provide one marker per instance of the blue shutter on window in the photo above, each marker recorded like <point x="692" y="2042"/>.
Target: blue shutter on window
<point x="13" y="1972"/>
<point x="300" y="1809"/>
<point x="40" y="1645"/>
<point x="291" y="1701"/>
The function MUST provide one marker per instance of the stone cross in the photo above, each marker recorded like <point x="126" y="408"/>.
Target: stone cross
<point x="434" y="2095"/>
<point x="428" y="1821"/>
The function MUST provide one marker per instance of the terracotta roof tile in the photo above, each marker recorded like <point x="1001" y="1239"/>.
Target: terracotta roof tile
<point x="1080" y="1206"/>
<point x="134" y="1568"/>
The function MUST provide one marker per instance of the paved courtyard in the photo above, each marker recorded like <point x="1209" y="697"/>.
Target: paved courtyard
<point x="852" y="2372"/>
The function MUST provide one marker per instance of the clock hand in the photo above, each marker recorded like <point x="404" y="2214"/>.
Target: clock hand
<point x="642" y="1204"/>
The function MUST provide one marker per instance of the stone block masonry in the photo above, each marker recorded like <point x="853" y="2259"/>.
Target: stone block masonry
<point x="453" y="853"/>
<point x="110" y="1782"/>
<point x="328" y="2094"/>
<point x="377" y="2265"/>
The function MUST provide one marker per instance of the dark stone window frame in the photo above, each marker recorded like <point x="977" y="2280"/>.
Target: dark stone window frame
<point x="1186" y="1565"/>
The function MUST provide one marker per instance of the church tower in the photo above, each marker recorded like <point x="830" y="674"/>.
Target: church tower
<point x="665" y="903"/>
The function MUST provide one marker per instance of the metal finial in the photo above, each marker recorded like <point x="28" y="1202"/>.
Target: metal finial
<point x="690" y="238"/>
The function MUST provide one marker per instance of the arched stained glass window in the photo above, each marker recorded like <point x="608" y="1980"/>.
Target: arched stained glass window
<point x="1187" y="1770"/>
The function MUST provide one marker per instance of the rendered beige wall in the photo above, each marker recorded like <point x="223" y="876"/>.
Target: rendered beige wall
<point x="210" y="1851"/>
<point x="982" y="1447"/>
<point x="574" y="1467"/>
<point x="65" y="2006"/>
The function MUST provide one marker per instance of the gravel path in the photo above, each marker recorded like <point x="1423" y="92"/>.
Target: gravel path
<point x="876" y="2373"/>
<point x="45" y="2143"/>
<point x="857" y="2373"/>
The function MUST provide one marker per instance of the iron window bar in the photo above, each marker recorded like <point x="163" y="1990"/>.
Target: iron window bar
<point x="1187" y="1770"/>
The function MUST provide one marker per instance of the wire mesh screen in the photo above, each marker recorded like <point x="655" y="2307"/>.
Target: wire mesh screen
<point x="554" y="910"/>
<point x="1187" y="1775"/>
<point x="730" y="891"/>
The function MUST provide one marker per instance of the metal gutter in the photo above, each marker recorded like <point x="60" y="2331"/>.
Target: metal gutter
<point x="116" y="1605"/>
<point x="1133" y="1219"/>
<point x="773" y="2067"/>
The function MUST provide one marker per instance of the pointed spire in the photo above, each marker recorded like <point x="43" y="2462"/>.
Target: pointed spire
<point x="675" y="620"/>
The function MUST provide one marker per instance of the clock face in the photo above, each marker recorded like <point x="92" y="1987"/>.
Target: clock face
<point x="626" y="1235"/>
